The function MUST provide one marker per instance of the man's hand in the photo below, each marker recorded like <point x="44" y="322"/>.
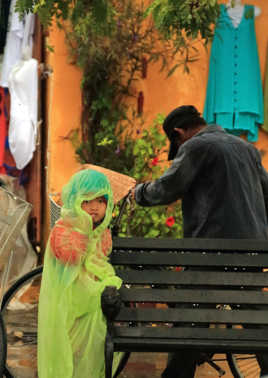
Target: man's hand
<point x="132" y="194"/>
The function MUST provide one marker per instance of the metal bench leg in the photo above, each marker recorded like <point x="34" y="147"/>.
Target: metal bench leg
<point x="109" y="353"/>
<point x="7" y="374"/>
<point x="122" y="364"/>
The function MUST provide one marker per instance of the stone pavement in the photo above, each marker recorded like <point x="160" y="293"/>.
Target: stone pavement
<point x="140" y="365"/>
<point x="151" y="365"/>
<point x="146" y="365"/>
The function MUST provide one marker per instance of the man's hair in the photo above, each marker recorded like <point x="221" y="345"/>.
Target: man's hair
<point x="184" y="117"/>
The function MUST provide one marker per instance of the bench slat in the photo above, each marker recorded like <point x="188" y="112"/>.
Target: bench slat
<point x="165" y="258"/>
<point x="193" y="315"/>
<point x="192" y="333"/>
<point x="191" y="244"/>
<point x="194" y="296"/>
<point x="195" y="278"/>
<point x="171" y="345"/>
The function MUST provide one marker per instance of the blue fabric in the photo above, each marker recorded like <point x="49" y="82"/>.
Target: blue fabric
<point x="234" y="97"/>
<point x="265" y="123"/>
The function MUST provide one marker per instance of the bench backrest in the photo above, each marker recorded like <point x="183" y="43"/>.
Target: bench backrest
<point x="214" y="290"/>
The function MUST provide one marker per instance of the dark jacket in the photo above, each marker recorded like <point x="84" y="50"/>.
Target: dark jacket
<point x="222" y="184"/>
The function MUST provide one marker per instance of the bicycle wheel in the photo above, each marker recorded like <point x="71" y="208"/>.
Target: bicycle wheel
<point x="243" y="365"/>
<point x="19" y="312"/>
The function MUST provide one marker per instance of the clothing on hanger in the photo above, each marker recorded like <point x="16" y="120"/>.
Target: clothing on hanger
<point x="19" y="35"/>
<point x="236" y="12"/>
<point x="234" y="97"/>
<point x="20" y="75"/>
<point x="23" y="87"/>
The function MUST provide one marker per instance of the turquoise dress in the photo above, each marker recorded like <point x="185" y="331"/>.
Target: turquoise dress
<point x="234" y="97"/>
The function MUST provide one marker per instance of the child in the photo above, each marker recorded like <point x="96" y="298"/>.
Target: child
<point x="71" y="326"/>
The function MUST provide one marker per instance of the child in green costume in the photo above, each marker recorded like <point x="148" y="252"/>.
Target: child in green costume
<point x="71" y="326"/>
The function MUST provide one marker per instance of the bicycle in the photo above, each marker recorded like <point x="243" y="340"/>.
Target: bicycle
<point x="18" y="327"/>
<point x="13" y="215"/>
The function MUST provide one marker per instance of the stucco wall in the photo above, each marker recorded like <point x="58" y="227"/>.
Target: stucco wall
<point x="64" y="108"/>
<point x="63" y="115"/>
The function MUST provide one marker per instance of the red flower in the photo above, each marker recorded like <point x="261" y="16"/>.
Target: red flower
<point x="155" y="161"/>
<point x="170" y="221"/>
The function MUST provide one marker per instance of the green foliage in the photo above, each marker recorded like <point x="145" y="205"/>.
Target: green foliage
<point x="184" y="19"/>
<point x="63" y="9"/>
<point x="147" y="152"/>
<point x="151" y="222"/>
<point x="140" y="154"/>
<point x="46" y="9"/>
<point x="183" y="22"/>
<point x="112" y="56"/>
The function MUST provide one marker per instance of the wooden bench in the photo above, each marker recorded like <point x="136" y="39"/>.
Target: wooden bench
<point x="208" y="294"/>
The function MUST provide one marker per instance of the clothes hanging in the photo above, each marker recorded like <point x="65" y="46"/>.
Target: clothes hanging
<point x="23" y="87"/>
<point x="19" y="35"/>
<point x="234" y="97"/>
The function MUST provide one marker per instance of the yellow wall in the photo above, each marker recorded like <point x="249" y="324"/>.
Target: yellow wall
<point x="161" y="95"/>
<point x="64" y="108"/>
<point x="63" y="115"/>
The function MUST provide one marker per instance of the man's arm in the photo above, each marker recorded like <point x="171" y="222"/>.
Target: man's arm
<point x="264" y="183"/>
<point x="172" y="185"/>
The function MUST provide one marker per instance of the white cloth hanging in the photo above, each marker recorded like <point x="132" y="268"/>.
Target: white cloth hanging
<point x="23" y="87"/>
<point x="236" y="11"/>
<point x="19" y="35"/>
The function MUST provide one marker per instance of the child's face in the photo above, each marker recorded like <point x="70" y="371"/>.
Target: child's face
<point x="96" y="208"/>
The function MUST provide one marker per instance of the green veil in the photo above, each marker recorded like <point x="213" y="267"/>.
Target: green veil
<point x="71" y="326"/>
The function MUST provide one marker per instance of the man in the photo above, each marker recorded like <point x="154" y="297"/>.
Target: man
<point x="224" y="191"/>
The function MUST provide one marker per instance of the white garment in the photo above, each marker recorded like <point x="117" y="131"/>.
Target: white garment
<point x="236" y="13"/>
<point x="23" y="87"/>
<point x="19" y="35"/>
